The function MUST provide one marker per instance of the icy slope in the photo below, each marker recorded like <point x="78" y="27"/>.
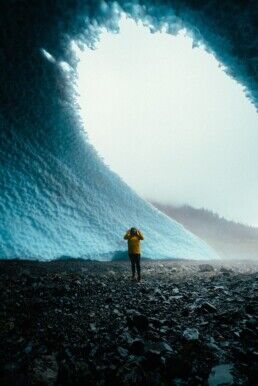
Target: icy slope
<point x="70" y="203"/>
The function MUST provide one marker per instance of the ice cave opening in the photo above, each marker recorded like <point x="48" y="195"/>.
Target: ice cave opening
<point x="59" y="198"/>
<point x="165" y="116"/>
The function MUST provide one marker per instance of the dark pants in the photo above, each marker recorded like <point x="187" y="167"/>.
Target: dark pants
<point x="135" y="262"/>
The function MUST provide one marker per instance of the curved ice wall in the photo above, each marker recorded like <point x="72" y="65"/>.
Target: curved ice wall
<point x="57" y="197"/>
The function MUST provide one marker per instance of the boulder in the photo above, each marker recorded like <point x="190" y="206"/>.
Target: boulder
<point x="206" y="268"/>
<point x="138" y="320"/>
<point x="137" y="347"/>
<point x="191" y="334"/>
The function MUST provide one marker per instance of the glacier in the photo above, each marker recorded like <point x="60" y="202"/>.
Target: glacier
<point x="57" y="197"/>
<point x="69" y="203"/>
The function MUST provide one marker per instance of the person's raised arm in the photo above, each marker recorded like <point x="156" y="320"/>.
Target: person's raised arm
<point x="140" y="235"/>
<point x="127" y="235"/>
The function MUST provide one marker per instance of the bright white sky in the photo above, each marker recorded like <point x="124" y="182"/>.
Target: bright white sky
<point x="170" y="122"/>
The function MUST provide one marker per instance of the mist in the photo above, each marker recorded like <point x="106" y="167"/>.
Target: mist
<point x="167" y="118"/>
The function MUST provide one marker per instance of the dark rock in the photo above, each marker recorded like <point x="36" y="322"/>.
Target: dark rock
<point x="93" y="327"/>
<point x="252" y="323"/>
<point x="137" y="347"/>
<point x="156" y="322"/>
<point x="178" y="366"/>
<point x="83" y="374"/>
<point x="65" y="375"/>
<point x="208" y="307"/>
<point x="131" y="374"/>
<point x="126" y="337"/>
<point x="206" y="268"/>
<point x="221" y="375"/>
<point x="175" y="291"/>
<point x="251" y="308"/>
<point x="248" y="334"/>
<point x="28" y="348"/>
<point x="44" y="370"/>
<point x="253" y="375"/>
<point x="225" y="270"/>
<point x="153" y="359"/>
<point x="138" y="320"/>
<point x="164" y="347"/>
<point x="185" y="311"/>
<point x="191" y="334"/>
<point x="122" y="352"/>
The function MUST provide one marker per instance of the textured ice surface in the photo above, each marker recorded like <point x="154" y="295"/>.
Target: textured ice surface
<point x="57" y="197"/>
<point x="72" y="204"/>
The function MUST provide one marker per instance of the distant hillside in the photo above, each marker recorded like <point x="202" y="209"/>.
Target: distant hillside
<point x="228" y="238"/>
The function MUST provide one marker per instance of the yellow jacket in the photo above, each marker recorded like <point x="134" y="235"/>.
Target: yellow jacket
<point x="134" y="246"/>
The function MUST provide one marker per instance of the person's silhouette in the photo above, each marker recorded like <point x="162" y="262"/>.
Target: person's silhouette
<point x="134" y="236"/>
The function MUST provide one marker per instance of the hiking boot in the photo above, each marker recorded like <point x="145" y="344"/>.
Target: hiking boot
<point x="133" y="278"/>
<point x="138" y="278"/>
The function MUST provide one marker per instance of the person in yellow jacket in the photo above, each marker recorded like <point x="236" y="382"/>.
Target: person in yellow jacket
<point x="134" y="237"/>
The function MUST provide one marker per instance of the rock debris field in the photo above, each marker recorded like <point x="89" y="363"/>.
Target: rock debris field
<point x="74" y="322"/>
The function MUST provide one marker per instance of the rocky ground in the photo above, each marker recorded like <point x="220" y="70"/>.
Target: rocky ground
<point x="85" y="323"/>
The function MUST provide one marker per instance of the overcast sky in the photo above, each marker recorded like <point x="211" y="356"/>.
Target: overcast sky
<point x="170" y="122"/>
